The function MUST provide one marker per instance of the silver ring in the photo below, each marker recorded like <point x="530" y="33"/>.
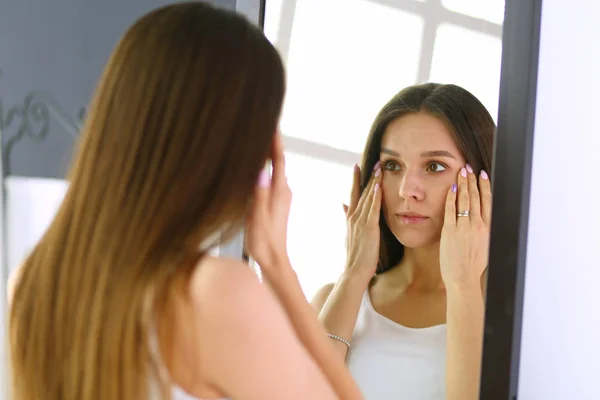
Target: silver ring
<point x="463" y="213"/>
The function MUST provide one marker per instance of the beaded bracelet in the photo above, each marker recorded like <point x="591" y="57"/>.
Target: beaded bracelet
<point x="336" y="337"/>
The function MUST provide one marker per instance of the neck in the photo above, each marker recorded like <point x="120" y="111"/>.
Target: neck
<point x="420" y="268"/>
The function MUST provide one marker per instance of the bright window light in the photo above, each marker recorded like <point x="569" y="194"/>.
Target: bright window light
<point x="346" y="59"/>
<point x="471" y="60"/>
<point x="317" y="225"/>
<point x="489" y="10"/>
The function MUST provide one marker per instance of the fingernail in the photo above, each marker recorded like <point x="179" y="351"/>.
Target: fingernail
<point x="355" y="167"/>
<point x="377" y="165"/>
<point x="469" y="168"/>
<point x="376" y="187"/>
<point x="454" y="187"/>
<point x="264" y="179"/>
<point x="377" y="172"/>
<point x="484" y="175"/>
<point x="463" y="172"/>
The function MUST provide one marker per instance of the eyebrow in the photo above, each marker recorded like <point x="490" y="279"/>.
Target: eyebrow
<point x="431" y="153"/>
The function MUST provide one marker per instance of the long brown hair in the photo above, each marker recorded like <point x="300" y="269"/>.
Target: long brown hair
<point x="178" y="130"/>
<point x="468" y="120"/>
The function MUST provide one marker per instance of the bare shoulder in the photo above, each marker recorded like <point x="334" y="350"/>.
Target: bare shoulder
<point x="319" y="299"/>
<point x="246" y="340"/>
<point x="225" y="281"/>
<point x="227" y="293"/>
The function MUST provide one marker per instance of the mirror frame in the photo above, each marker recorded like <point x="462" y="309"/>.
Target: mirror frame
<point x="511" y="180"/>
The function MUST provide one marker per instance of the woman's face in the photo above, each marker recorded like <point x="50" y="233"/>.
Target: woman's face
<point x="420" y="162"/>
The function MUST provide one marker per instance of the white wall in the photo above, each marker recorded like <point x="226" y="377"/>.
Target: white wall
<point x="32" y="203"/>
<point x="560" y="354"/>
<point x="4" y="378"/>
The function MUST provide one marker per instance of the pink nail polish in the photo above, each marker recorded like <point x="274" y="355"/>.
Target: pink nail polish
<point x="376" y="187"/>
<point x="377" y="165"/>
<point x="377" y="172"/>
<point x="264" y="179"/>
<point x="463" y="172"/>
<point x="469" y="168"/>
<point x="484" y="175"/>
<point x="454" y="187"/>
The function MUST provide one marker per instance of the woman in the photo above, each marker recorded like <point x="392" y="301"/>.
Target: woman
<point x="407" y="313"/>
<point x="120" y="299"/>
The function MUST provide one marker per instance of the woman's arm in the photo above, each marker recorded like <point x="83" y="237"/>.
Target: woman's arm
<point x="266" y="229"/>
<point x="339" y="310"/>
<point x="338" y="305"/>
<point x="311" y="333"/>
<point x="465" y="315"/>
<point x="464" y="250"/>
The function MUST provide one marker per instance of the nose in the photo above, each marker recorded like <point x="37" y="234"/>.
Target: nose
<point x="411" y="187"/>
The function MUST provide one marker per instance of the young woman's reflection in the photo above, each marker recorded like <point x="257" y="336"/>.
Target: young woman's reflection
<point x="421" y="226"/>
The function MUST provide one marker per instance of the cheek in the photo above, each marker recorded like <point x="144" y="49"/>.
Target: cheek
<point x="437" y="197"/>
<point x="389" y="192"/>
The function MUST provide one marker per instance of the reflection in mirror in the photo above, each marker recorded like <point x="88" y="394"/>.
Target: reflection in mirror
<point x="396" y="270"/>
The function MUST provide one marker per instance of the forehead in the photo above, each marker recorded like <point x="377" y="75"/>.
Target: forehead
<point x="415" y="133"/>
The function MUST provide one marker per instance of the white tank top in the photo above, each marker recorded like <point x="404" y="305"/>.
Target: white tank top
<point x="391" y="361"/>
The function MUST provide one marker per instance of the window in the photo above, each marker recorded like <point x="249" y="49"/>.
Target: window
<point x="470" y="61"/>
<point x="346" y="58"/>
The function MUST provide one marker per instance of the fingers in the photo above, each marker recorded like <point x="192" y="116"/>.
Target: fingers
<point x="281" y="194"/>
<point x="262" y="196"/>
<point x="485" y="189"/>
<point x="278" y="160"/>
<point x="472" y="194"/>
<point x="462" y="200"/>
<point x="450" y="209"/>
<point x="375" y="206"/>
<point x="345" y="209"/>
<point x="474" y="202"/>
<point x="366" y="200"/>
<point x="355" y="193"/>
<point x="364" y="195"/>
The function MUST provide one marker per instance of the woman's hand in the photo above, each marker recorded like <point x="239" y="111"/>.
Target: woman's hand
<point x="465" y="239"/>
<point x="362" y="216"/>
<point x="266" y="227"/>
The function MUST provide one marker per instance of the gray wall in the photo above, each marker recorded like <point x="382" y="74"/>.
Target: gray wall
<point x="57" y="50"/>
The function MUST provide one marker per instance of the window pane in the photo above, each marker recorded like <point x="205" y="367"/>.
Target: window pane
<point x="489" y="10"/>
<point x="346" y="59"/>
<point x="317" y="225"/>
<point x="471" y="60"/>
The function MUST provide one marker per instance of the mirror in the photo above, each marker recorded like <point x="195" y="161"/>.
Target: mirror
<point x="345" y="60"/>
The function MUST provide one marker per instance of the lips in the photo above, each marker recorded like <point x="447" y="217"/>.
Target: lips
<point x="410" y="214"/>
<point x="410" y="217"/>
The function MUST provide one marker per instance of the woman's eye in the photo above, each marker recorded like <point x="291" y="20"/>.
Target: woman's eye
<point x="436" y="167"/>
<point x="390" y="166"/>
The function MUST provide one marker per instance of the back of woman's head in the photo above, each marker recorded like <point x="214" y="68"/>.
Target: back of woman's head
<point x="180" y="126"/>
<point x="468" y="121"/>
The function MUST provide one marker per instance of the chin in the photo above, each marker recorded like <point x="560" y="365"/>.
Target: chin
<point x="415" y="239"/>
